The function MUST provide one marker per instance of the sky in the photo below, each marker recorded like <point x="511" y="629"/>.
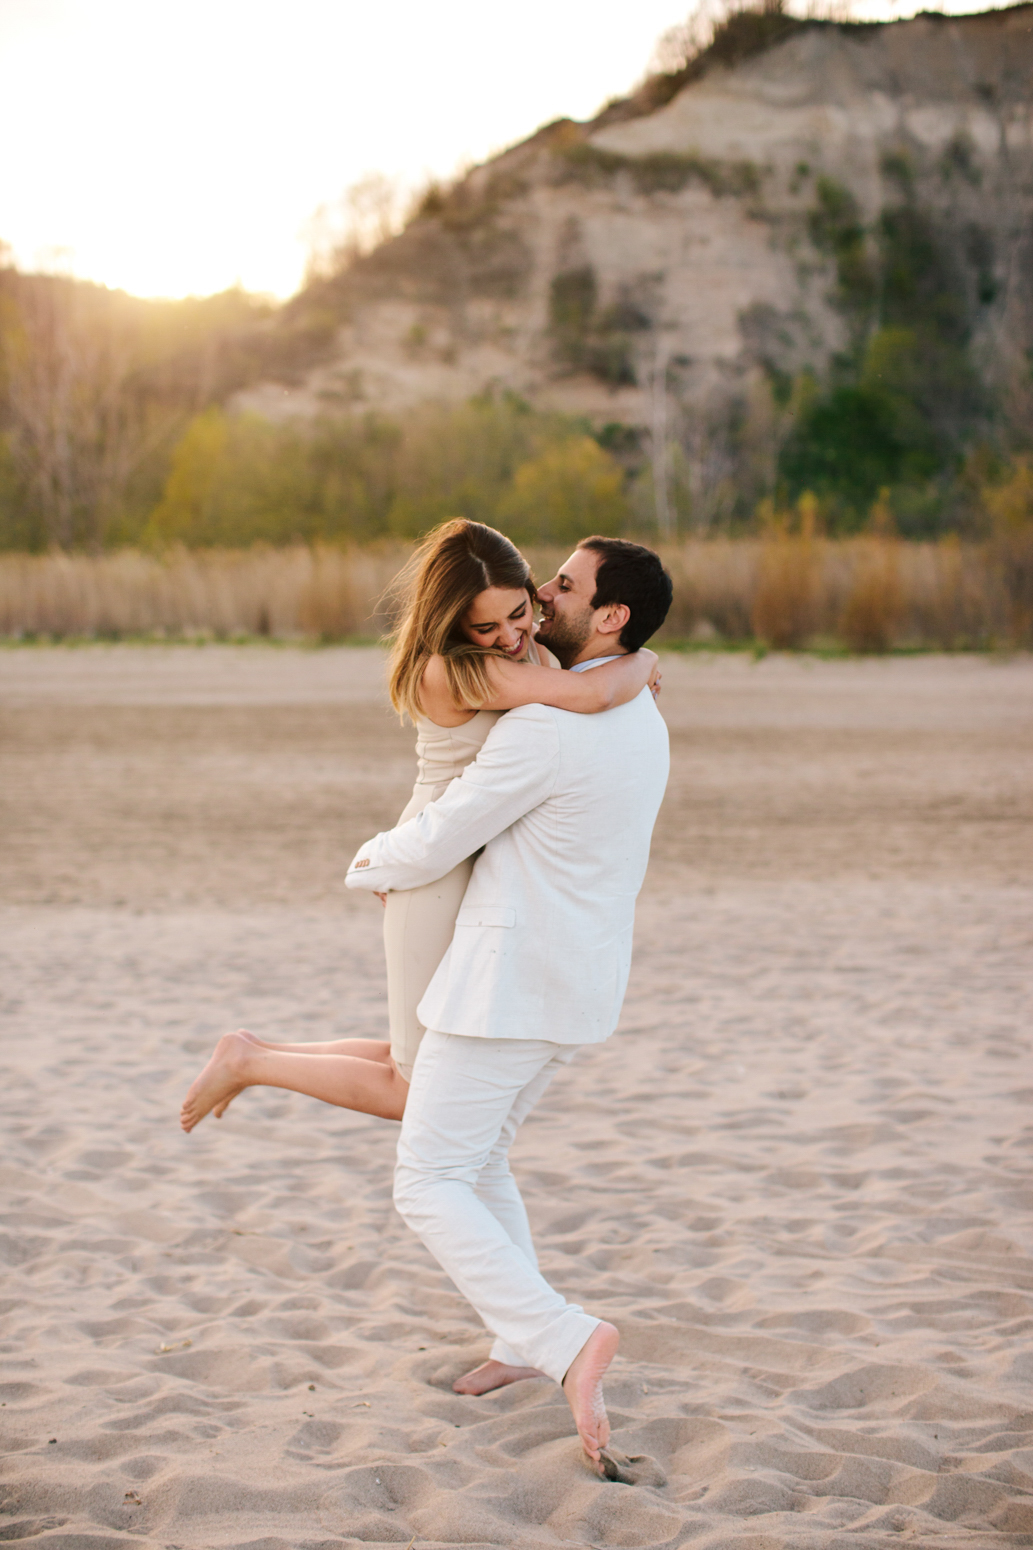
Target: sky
<point x="180" y="148"/>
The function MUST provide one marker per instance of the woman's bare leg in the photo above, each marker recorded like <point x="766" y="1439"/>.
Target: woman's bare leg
<point x="364" y="1049"/>
<point x="348" y="1081"/>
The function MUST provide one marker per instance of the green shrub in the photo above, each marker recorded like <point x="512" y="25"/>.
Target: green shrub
<point x="573" y="488"/>
<point x="235" y="480"/>
<point x="846" y="449"/>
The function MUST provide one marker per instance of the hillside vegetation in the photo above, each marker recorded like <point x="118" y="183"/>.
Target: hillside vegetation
<point x="794" y="270"/>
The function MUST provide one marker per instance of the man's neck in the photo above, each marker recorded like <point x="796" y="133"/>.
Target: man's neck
<point x="605" y="646"/>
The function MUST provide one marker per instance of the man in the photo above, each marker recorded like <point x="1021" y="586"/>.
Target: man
<point x="564" y="806"/>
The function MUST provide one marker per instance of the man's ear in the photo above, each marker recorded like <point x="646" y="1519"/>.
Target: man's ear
<point x="613" y="618"/>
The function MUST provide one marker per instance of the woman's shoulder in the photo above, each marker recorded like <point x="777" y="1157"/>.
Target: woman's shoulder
<point x="432" y="679"/>
<point x="436" y="705"/>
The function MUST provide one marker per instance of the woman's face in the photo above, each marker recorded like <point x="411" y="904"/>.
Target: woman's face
<point x="500" y="617"/>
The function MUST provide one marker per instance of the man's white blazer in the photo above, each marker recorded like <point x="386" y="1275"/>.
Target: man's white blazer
<point x="564" y="805"/>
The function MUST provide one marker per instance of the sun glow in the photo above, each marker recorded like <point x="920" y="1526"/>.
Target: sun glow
<point x="177" y="149"/>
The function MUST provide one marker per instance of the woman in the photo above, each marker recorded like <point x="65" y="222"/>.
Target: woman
<point x="463" y="654"/>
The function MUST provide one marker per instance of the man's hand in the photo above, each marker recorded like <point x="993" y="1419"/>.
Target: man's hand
<point x="382" y="897"/>
<point x="655" y="676"/>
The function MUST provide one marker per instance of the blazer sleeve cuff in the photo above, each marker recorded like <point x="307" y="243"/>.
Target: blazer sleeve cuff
<point x="363" y="872"/>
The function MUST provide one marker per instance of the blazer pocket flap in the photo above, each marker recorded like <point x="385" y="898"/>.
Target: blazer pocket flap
<point x="486" y="915"/>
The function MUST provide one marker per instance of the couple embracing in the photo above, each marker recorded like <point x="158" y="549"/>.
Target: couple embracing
<point x="509" y="886"/>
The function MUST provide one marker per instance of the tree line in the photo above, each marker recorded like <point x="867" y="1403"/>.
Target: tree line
<point x="114" y="432"/>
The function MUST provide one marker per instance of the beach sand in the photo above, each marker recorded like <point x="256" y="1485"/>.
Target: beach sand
<point x="797" y="1179"/>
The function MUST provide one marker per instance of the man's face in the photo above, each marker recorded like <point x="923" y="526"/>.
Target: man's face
<point x="568" y="618"/>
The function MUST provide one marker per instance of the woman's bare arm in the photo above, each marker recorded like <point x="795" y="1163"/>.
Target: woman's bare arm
<point x="526" y="683"/>
<point x="600" y="688"/>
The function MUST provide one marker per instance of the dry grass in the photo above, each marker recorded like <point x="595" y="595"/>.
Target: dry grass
<point x="321" y="593"/>
<point x="785" y="590"/>
<point x="868" y="593"/>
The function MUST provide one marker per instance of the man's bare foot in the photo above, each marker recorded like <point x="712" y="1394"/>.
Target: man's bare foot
<point x="583" y="1386"/>
<point x="220" y="1081"/>
<point x="492" y="1375"/>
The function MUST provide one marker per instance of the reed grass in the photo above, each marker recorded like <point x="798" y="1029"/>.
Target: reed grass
<point x="866" y="594"/>
<point x="295" y="593"/>
<point x="872" y="593"/>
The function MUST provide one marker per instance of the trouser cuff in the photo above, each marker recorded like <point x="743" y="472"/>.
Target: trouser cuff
<point x="553" y="1350"/>
<point x="501" y="1352"/>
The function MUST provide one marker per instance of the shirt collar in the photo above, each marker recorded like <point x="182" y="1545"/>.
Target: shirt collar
<point x="581" y="667"/>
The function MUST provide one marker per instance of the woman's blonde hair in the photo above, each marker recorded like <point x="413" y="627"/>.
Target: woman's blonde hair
<point x="452" y="565"/>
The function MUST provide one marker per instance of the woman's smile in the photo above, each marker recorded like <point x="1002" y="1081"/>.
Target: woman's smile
<point x="519" y="648"/>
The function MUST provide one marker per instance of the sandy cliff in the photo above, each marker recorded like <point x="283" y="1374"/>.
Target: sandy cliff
<point x="704" y="251"/>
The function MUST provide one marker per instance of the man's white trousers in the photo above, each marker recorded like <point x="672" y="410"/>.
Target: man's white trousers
<point x="453" y="1187"/>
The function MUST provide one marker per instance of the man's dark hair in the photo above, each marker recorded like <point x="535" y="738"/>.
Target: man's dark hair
<point x="633" y="575"/>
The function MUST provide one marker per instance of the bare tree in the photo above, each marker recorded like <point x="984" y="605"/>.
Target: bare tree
<point x="679" y="44"/>
<point x="368" y="213"/>
<point x="659" y="436"/>
<point x="73" y="426"/>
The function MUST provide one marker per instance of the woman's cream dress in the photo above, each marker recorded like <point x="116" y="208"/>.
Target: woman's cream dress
<point x="419" y="923"/>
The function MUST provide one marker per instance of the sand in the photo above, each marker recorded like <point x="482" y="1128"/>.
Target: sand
<point x="797" y="1179"/>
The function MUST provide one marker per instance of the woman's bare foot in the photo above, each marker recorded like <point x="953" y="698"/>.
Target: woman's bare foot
<point x="220" y="1081"/>
<point x="492" y="1375"/>
<point x="583" y="1386"/>
<point x="242" y="1033"/>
